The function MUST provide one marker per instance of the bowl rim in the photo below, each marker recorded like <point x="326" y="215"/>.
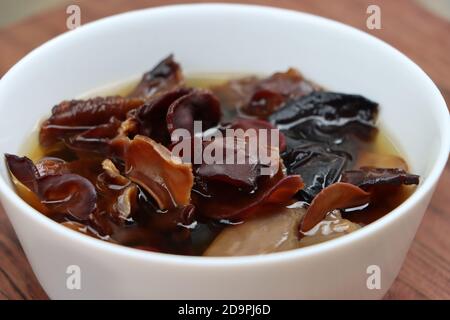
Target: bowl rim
<point x="420" y="193"/>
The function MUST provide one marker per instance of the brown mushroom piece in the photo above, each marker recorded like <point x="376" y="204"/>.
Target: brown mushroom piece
<point x="258" y="125"/>
<point x="114" y="176"/>
<point x="336" y="196"/>
<point x="200" y="105"/>
<point x="331" y="227"/>
<point x="240" y="167"/>
<point x="69" y="194"/>
<point x="126" y="202"/>
<point x="50" y="166"/>
<point x="150" y="119"/>
<point x="270" y="93"/>
<point x="60" y="193"/>
<point x="165" y="177"/>
<point x="164" y="76"/>
<point x="24" y="170"/>
<point x="97" y="139"/>
<point x="367" y="177"/>
<point x="224" y="202"/>
<point x="269" y="231"/>
<point x="75" y="116"/>
<point x="261" y="97"/>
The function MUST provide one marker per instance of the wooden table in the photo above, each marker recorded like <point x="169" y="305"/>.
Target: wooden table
<point x="408" y="27"/>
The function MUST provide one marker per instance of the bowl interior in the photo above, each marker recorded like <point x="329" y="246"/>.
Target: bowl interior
<point x="218" y="38"/>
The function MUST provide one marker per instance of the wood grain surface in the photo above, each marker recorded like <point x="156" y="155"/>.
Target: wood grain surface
<point x="422" y="36"/>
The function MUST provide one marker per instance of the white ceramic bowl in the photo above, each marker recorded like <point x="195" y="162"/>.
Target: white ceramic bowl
<point x="231" y="38"/>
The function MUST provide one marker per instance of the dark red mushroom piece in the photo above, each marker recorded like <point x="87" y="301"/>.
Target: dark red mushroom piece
<point x="75" y="116"/>
<point x="234" y="205"/>
<point x="239" y="165"/>
<point x="367" y="177"/>
<point x="166" y="75"/>
<point x="24" y="170"/>
<point x="51" y="165"/>
<point x="69" y="194"/>
<point x="336" y="196"/>
<point x="263" y="103"/>
<point x="200" y="105"/>
<point x="150" y="119"/>
<point x="60" y="192"/>
<point x="97" y="139"/>
<point x="246" y="124"/>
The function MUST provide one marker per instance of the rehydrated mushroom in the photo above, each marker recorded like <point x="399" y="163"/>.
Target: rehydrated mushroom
<point x="114" y="174"/>
<point x="336" y="196"/>
<point x="271" y="230"/>
<point x="164" y="176"/>
<point x="164" y="76"/>
<point x="257" y="124"/>
<point x="238" y="166"/>
<point x="324" y="116"/>
<point x="151" y="119"/>
<point x="126" y="202"/>
<point x="220" y="201"/>
<point x="271" y="93"/>
<point x="199" y="105"/>
<point x="260" y="97"/>
<point x="64" y="193"/>
<point x="367" y="177"/>
<point x="332" y="227"/>
<point x="97" y="139"/>
<point x="50" y="166"/>
<point x="69" y="194"/>
<point x="317" y="164"/>
<point x="23" y="170"/>
<point x="76" y="116"/>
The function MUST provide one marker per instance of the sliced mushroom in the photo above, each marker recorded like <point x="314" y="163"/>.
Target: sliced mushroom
<point x="69" y="194"/>
<point x="97" y="139"/>
<point x="333" y="226"/>
<point x="60" y="192"/>
<point x="164" y="76"/>
<point x="76" y="116"/>
<point x="336" y="196"/>
<point x="239" y="165"/>
<point x="151" y="119"/>
<point x="220" y="201"/>
<point x="367" y="177"/>
<point x="200" y="105"/>
<point x="261" y="97"/>
<point x="271" y="93"/>
<point x="50" y="166"/>
<point x="164" y="176"/>
<point x="126" y="202"/>
<point x="266" y="232"/>
<point x="113" y="173"/>
<point x="23" y="170"/>
<point x="260" y="125"/>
